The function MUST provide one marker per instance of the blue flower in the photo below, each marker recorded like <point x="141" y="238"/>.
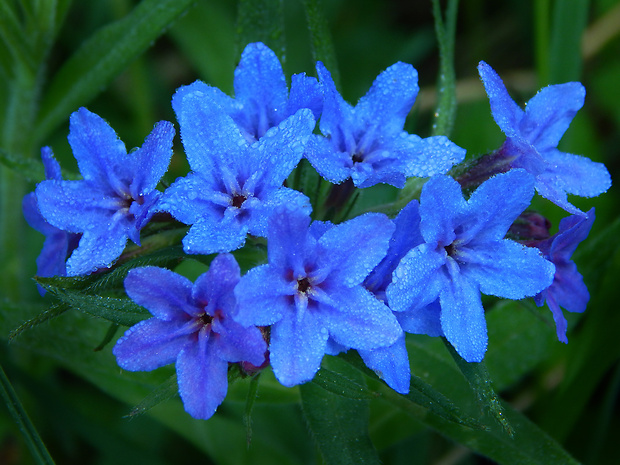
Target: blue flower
<point x="58" y="243"/>
<point x="367" y="143"/>
<point x="391" y="363"/>
<point x="115" y="199"/>
<point x="311" y="291"/>
<point x="568" y="289"/>
<point x="532" y="137"/>
<point x="234" y="185"/>
<point x="262" y="99"/>
<point x="464" y="253"/>
<point x="191" y="327"/>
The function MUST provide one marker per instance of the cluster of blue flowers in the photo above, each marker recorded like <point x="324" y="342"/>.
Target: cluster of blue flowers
<point x="325" y="288"/>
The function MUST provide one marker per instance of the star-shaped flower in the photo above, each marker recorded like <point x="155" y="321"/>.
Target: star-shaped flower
<point x="234" y="185"/>
<point x="117" y="196"/>
<point x="58" y="243"/>
<point x="464" y="253"/>
<point x="367" y="143"/>
<point x="568" y="289"/>
<point x="532" y="137"/>
<point x="311" y="291"/>
<point x="191" y="327"/>
<point x="262" y="99"/>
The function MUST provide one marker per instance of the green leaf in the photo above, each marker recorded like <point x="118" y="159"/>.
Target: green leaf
<point x="341" y="385"/>
<point x="52" y="312"/>
<point x="262" y="21"/>
<point x="568" y="23"/>
<point x="117" y="310"/>
<point x="161" y="393"/>
<point x="322" y="45"/>
<point x="339" y="424"/>
<point x="30" y="433"/>
<point x="103" y="57"/>
<point x="479" y="379"/>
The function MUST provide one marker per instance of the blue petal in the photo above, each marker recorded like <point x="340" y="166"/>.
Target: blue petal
<point x="215" y="287"/>
<point x="202" y="378"/>
<point x="572" y="230"/>
<point x="506" y="112"/>
<point x="151" y="344"/>
<point x="425" y="157"/>
<point x="297" y="348"/>
<point x="210" y="137"/>
<point x="406" y="236"/>
<point x="100" y="154"/>
<point x="261" y="86"/>
<point x="289" y="241"/>
<point x="51" y="166"/>
<point x="97" y="250"/>
<point x="337" y="117"/>
<point x="352" y="249"/>
<point x="152" y="159"/>
<point x="489" y="219"/>
<point x="164" y="293"/>
<point x="422" y="320"/>
<point x="442" y="208"/>
<point x="75" y="206"/>
<point x="462" y="317"/>
<point x="333" y="165"/>
<point x="390" y="98"/>
<point x="568" y="289"/>
<point x="263" y="297"/>
<point x="391" y="364"/>
<point x="280" y="149"/>
<point x="259" y="216"/>
<point x="574" y="174"/>
<point x="549" y="113"/>
<point x="239" y="344"/>
<point x="194" y="198"/>
<point x="507" y="269"/>
<point x="359" y="320"/>
<point x="208" y="237"/>
<point x="305" y="93"/>
<point x="417" y="280"/>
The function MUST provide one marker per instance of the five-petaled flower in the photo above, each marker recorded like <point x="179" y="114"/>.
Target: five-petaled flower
<point x="568" y="289"/>
<point x="367" y="142"/>
<point x="117" y="196"/>
<point x="192" y="327"/>
<point x="58" y="243"/>
<point x="234" y="185"/>
<point x="262" y="99"/>
<point x="311" y="291"/>
<point x="464" y="253"/>
<point x="532" y="137"/>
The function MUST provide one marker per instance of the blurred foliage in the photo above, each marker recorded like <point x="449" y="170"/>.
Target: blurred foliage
<point x="78" y="398"/>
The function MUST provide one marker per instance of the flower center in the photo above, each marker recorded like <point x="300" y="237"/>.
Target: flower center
<point x="238" y="200"/>
<point x="205" y="319"/>
<point x="303" y="285"/>
<point x="358" y="158"/>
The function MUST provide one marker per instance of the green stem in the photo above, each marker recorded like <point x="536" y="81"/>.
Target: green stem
<point x="445" y="112"/>
<point x="16" y="409"/>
